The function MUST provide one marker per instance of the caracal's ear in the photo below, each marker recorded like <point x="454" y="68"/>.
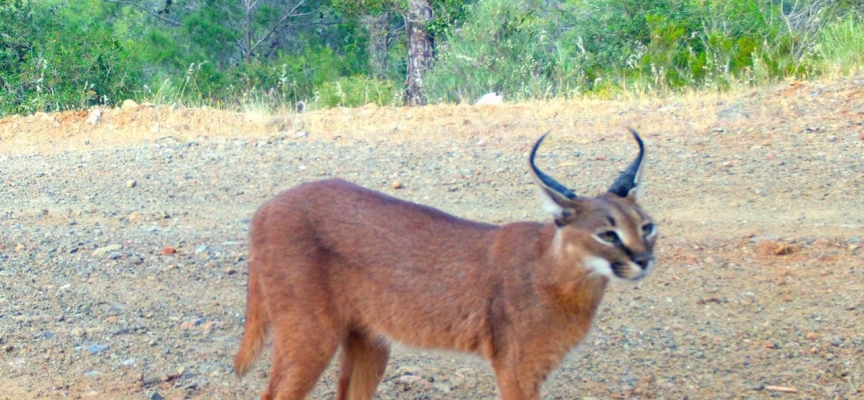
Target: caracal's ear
<point x="629" y="183"/>
<point x="557" y="199"/>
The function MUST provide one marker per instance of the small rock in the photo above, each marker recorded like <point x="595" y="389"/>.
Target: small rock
<point x="94" y="117"/>
<point x="408" y="379"/>
<point x="105" y="250"/>
<point x="396" y="185"/>
<point x="155" y="396"/>
<point x="821" y="243"/>
<point x="301" y="134"/>
<point x="77" y="332"/>
<point x="44" y="335"/>
<point x="168" y="250"/>
<point x="129" y="104"/>
<point x="97" y="348"/>
<point x="783" y="249"/>
<point x="490" y="99"/>
<point x="131" y="183"/>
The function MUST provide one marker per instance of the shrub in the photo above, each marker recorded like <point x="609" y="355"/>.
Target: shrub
<point x="356" y="91"/>
<point x="42" y="69"/>
<point x="841" y="45"/>
<point x="502" y="47"/>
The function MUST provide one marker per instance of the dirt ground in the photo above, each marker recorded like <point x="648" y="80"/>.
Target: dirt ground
<point x="123" y="241"/>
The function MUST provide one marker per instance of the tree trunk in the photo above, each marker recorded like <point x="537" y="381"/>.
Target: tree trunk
<point x="419" y="50"/>
<point x="378" y="42"/>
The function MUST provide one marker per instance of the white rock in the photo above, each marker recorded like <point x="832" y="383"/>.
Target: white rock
<point x="94" y="117"/>
<point x="490" y="99"/>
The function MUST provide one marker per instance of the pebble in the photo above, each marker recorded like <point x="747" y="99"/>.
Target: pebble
<point x="94" y="117"/>
<point x="409" y="379"/>
<point x="43" y="335"/>
<point x="97" y="348"/>
<point x="129" y="104"/>
<point x="105" y="250"/>
<point x="131" y="183"/>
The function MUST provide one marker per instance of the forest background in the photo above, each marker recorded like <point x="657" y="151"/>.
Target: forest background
<point x="288" y="54"/>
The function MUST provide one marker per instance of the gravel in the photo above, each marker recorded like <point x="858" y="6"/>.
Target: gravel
<point x="123" y="268"/>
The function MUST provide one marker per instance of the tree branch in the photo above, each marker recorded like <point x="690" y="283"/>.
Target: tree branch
<point x="142" y="8"/>
<point x="278" y="24"/>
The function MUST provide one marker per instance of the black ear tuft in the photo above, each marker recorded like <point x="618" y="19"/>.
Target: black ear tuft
<point x="556" y="197"/>
<point x="553" y="187"/>
<point x="628" y="183"/>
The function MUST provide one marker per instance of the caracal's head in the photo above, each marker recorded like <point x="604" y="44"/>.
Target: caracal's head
<point x="609" y="234"/>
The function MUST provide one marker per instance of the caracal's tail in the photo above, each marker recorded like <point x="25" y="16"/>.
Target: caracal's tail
<point x="257" y="325"/>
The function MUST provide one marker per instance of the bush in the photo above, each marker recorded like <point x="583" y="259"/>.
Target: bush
<point x="674" y="44"/>
<point x="502" y="47"/>
<point x="356" y="91"/>
<point x="841" y="45"/>
<point x="41" y="69"/>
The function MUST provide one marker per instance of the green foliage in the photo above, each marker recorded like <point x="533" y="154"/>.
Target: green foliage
<point x="58" y="55"/>
<point x="674" y="44"/>
<point x="356" y="91"/>
<point x="44" y="69"/>
<point x="841" y="45"/>
<point x="501" y="48"/>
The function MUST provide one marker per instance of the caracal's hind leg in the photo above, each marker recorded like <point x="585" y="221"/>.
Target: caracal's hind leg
<point x="364" y="360"/>
<point x="302" y="348"/>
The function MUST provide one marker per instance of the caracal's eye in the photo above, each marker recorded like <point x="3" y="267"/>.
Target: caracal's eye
<point x="609" y="236"/>
<point x="648" y="229"/>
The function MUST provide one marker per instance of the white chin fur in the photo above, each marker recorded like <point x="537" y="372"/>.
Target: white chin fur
<point x="600" y="266"/>
<point x="603" y="267"/>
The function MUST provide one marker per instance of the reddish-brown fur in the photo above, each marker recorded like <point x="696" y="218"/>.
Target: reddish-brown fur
<point x="333" y="264"/>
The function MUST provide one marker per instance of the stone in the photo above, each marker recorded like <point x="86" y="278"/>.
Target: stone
<point x="94" y="117"/>
<point x="105" y="250"/>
